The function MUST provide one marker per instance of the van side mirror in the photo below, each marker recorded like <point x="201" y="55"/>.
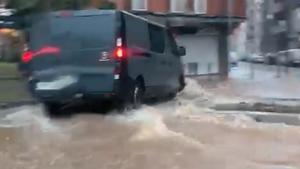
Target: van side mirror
<point x="181" y="51"/>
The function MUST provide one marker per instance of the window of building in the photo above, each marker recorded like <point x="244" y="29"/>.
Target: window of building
<point x="178" y="5"/>
<point x="200" y="6"/>
<point x="139" y="4"/>
<point x="296" y="20"/>
<point x="157" y="39"/>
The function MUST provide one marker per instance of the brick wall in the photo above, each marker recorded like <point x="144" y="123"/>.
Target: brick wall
<point x="214" y="7"/>
<point x="240" y="8"/>
<point x="159" y="5"/>
<point x="123" y="4"/>
<point x="220" y="8"/>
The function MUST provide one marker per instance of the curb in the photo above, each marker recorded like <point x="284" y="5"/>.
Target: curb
<point x="258" y="107"/>
<point x="9" y="105"/>
<point x="10" y="78"/>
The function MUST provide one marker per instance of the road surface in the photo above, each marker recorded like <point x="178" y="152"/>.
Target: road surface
<point x="180" y="134"/>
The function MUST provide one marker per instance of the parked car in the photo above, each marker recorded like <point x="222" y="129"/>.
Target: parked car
<point x="271" y="58"/>
<point x="94" y="55"/>
<point x="293" y="56"/>
<point x="282" y="58"/>
<point x="288" y="57"/>
<point x="257" y="58"/>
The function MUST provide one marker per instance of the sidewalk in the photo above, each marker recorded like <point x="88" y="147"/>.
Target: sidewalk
<point x="261" y="84"/>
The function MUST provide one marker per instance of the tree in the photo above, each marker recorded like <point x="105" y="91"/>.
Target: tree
<point x="22" y="6"/>
<point x="32" y="6"/>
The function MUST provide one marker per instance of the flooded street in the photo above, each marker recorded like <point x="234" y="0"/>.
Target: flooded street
<point x="178" y="134"/>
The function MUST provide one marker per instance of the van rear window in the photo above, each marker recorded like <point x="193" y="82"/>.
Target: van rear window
<point x="71" y="33"/>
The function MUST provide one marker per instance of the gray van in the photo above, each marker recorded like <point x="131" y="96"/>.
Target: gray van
<point x="98" y="55"/>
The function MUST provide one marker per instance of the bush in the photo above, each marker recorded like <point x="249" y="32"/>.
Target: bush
<point x="10" y="55"/>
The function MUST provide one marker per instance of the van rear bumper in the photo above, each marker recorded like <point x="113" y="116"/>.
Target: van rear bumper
<point x="67" y="97"/>
<point x="71" y="94"/>
<point x="74" y="93"/>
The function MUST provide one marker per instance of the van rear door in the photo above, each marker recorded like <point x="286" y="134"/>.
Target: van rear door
<point x="83" y="41"/>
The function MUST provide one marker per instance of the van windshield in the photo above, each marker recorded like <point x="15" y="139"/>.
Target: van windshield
<point x="73" y="33"/>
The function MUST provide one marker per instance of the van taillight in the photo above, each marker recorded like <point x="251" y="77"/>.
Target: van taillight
<point x="120" y="52"/>
<point x="47" y="50"/>
<point x="27" y="56"/>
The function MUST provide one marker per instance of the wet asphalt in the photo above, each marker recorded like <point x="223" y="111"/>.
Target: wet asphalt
<point x="179" y="134"/>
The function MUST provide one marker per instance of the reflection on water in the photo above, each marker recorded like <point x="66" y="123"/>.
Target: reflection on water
<point x="177" y="134"/>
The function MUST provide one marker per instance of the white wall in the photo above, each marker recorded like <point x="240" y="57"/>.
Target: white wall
<point x="201" y="50"/>
<point x="200" y="6"/>
<point x="296" y="20"/>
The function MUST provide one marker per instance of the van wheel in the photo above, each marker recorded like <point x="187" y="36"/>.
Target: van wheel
<point x="181" y="83"/>
<point x="134" y="100"/>
<point x="137" y="95"/>
<point x="53" y="109"/>
<point x="172" y="96"/>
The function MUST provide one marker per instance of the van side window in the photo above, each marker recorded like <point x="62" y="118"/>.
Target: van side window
<point x="157" y="38"/>
<point x="137" y="33"/>
<point x="173" y="44"/>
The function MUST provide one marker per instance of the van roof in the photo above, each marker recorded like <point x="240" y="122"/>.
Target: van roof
<point x="89" y="12"/>
<point x="142" y="18"/>
<point x="93" y="12"/>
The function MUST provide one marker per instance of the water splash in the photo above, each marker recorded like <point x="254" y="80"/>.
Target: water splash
<point x="28" y="116"/>
<point x="151" y="126"/>
<point x="194" y="91"/>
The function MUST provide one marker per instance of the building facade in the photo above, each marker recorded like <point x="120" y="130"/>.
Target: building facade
<point x="207" y="7"/>
<point x="281" y="25"/>
<point x="202" y="26"/>
<point x="254" y="23"/>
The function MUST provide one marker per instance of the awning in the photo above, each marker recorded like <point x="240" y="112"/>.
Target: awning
<point x="191" y="20"/>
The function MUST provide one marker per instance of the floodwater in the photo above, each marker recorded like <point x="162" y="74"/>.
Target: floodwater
<point x="180" y="134"/>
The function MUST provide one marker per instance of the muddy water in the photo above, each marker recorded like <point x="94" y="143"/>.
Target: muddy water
<point x="182" y="134"/>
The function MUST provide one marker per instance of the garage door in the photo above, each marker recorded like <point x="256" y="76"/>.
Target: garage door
<point x="201" y="54"/>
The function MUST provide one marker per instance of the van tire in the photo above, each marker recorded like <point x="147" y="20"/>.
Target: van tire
<point x="182" y="83"/>
<point x="134" y="100"/>
<point x="137" y="94"/>
<point x="172" y="96"/>
<point x="53" y="109"/>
